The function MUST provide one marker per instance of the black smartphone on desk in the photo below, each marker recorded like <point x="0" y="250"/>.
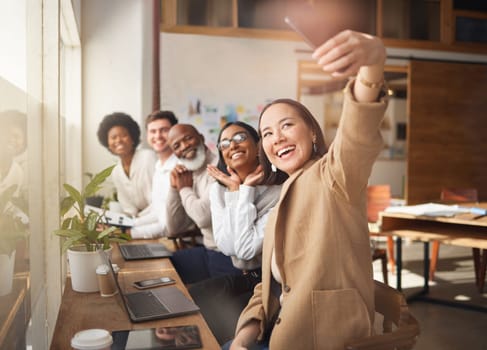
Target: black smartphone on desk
<point x="154" y="282"/>
<point x="162" y="338"/>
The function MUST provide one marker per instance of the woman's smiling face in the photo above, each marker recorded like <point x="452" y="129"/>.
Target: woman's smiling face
<point x="239" y="155"/>
<point x="286" y="138"/>
<point x="120" y="142"/>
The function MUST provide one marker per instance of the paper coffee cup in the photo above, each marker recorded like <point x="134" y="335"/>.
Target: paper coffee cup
<point x="105" y="281"/>
<point x="92" y="339"/>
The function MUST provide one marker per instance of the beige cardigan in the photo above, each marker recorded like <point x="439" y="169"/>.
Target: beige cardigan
<point x="321" y="241"/>
<point x="190" y="206"/>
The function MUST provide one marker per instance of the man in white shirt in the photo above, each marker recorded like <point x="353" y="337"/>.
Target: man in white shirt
<point x="157" y="125"/>
<point x="188" y="205"/>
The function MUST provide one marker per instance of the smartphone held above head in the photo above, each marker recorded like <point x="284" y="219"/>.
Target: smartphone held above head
<point x="317" y="23"/>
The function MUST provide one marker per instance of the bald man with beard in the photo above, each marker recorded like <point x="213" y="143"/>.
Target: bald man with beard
<point x="188" y="205"/>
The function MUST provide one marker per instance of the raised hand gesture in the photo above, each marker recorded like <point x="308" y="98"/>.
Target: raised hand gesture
<point x="255" y="177"/>
<point x="181" y="177"/>
<point x="232" y="181"/>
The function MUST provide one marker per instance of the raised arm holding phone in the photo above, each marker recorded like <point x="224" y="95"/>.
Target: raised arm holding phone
<point x="317" y="287"/>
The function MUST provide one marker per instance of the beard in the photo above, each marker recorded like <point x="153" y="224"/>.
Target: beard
<point x="197" y="162"/>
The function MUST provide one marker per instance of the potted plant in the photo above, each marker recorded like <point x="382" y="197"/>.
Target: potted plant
<point x="84" y="233"/>
<point x="94" y="200"/>
<point x="13" y="229"/>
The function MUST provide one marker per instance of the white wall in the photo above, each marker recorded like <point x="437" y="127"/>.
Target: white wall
<point x="226" y="75"/>
<point x="222" y="70"/>
<point x="115" y="37"/>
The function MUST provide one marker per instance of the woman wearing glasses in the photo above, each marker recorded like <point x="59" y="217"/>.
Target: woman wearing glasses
<point x="239" y="209"/>
<point x="317" y="289"/>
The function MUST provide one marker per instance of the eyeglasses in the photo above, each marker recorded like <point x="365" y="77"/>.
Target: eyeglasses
<point x="238" y="138"/>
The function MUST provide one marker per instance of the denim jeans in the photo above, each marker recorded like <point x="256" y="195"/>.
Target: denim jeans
<point x="198" y="264"/>
<point x="222" y="299"/>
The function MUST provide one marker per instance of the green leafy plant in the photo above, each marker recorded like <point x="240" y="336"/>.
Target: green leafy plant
<point x="107" y="199"/>
<point x="85" y="227"/>
<point x="12" y="226"/>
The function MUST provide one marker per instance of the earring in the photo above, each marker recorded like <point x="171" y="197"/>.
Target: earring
<point x="273" y="168"/>
<point x="315" y="148"/>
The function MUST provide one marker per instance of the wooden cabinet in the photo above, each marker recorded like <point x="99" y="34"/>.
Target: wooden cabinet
<point x="450" y="25"/>
<point x="446" y="129"/>
<point x="250" y="18"/>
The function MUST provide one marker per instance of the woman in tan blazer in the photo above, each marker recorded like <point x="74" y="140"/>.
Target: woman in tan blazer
<point x="317" y="285"/>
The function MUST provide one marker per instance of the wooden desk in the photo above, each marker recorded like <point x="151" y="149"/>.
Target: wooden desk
<point x="462" y="230"/>
<point x="80" y="311"/>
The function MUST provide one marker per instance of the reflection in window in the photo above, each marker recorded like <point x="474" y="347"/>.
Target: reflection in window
<point x="14" y="228"/>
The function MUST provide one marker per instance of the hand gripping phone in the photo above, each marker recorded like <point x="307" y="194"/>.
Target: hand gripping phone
<point x="155" y="282"/>
<point x="316" y="24"/>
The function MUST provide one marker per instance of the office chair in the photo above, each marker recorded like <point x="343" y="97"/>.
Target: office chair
<point x="379" y="198"/>
<point x="400" y="329"/>
<point x="186" y="239"/>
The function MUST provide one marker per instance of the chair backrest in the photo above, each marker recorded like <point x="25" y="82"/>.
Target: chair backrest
<point x="400" y="328"/>
<point x="378" y="198"/>
<point x="459" y="195"/>
<point x="185" y="239"/>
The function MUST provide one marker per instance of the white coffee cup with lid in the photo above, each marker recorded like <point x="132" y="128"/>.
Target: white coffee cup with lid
<point x="92" y="339"/>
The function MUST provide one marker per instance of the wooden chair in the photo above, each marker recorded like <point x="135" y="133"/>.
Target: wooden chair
<point x="400" y="329"/>
<point x="381" y="254"/>
<point x="185" y="239"/>
<point x="379" y="198"/>
<point x="453" y="196"/>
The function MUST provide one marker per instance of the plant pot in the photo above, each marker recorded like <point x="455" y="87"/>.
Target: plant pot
<point x="82" y="266"/>
<point x="7" y="264"/>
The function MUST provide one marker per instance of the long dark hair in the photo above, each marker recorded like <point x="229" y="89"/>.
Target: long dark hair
<point x="250" y="130"/>
<point x="279" y="176"/>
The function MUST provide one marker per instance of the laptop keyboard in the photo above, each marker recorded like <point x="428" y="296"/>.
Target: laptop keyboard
<point x="144" y="304"/>
<point x="137" y="250"/>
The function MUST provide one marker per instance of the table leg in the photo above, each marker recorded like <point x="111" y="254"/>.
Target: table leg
<point x="398" y="262"/>
<point x="426" y="267"/>
<point x="482" y="268"/>
<point x="476" y="264"/>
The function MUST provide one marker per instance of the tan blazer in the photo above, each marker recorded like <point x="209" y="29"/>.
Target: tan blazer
<point x="319" y="233"/>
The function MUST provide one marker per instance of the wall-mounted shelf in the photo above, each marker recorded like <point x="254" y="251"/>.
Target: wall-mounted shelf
<point x="447" y="25"/>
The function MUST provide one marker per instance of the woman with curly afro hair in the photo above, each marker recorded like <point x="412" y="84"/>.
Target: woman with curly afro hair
<point x="132" y="176"/>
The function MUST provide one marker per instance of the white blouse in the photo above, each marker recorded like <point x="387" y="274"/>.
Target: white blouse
<point x="239" y="219"/>
<point x="134" y="191"/>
